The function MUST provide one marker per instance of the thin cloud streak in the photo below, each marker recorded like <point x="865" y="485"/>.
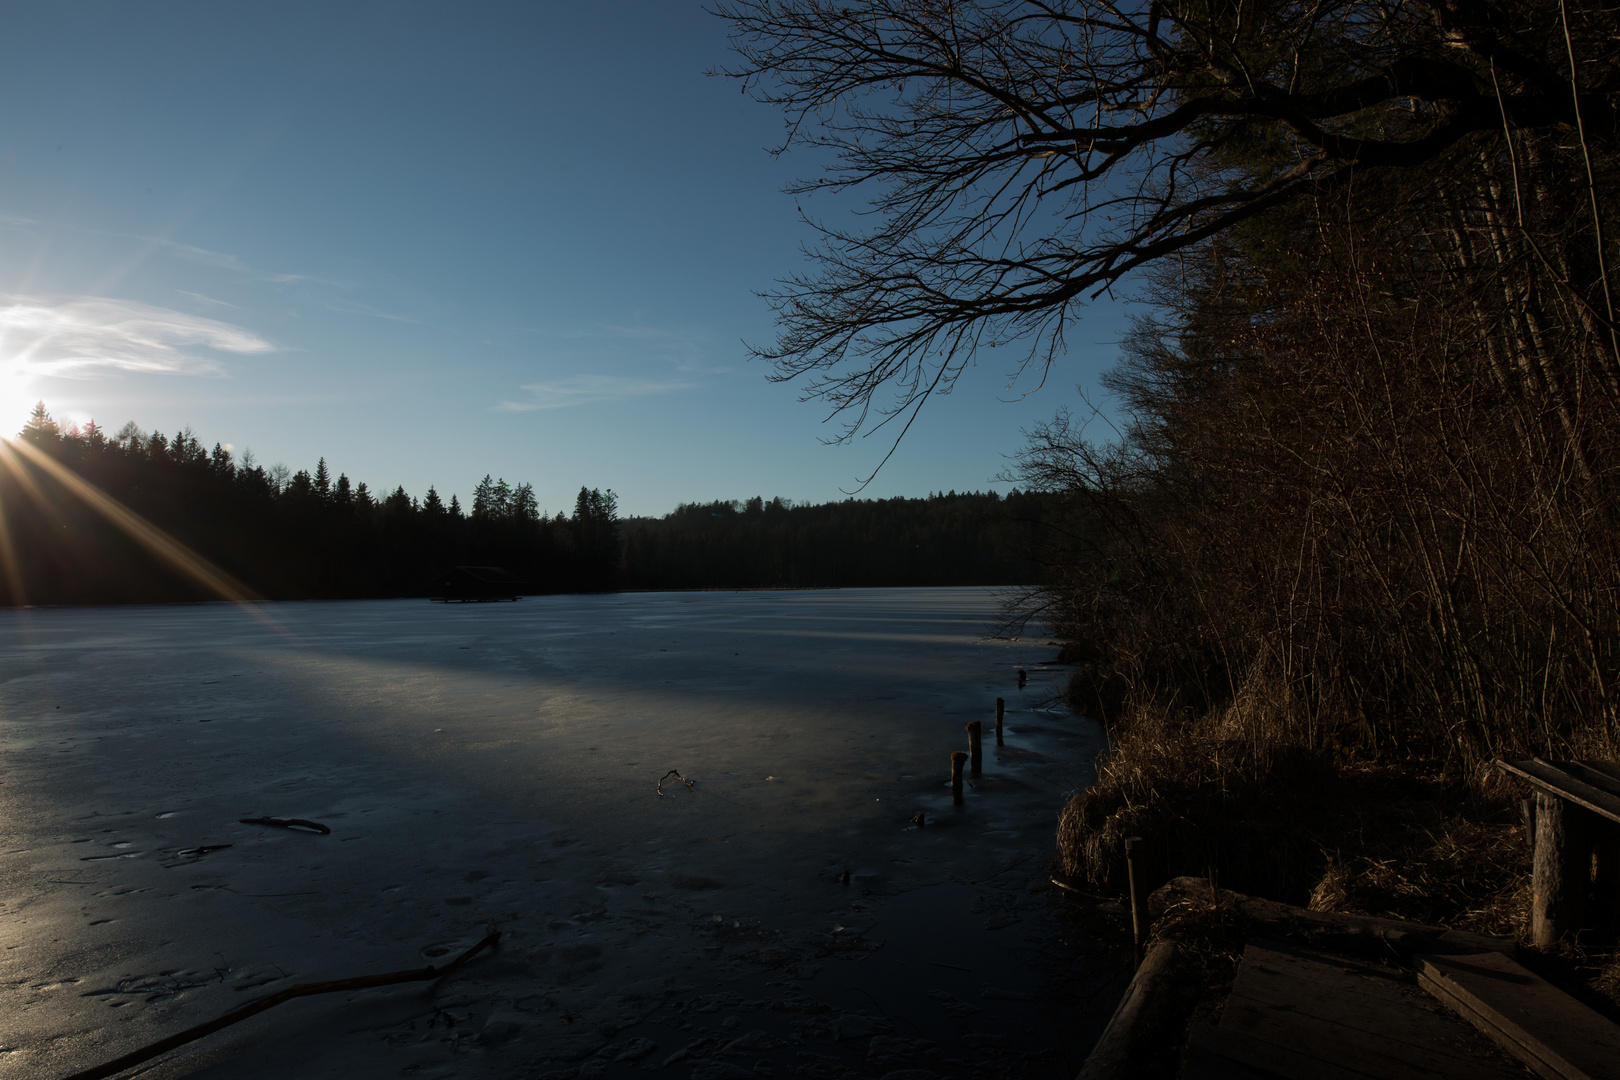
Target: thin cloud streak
<point x="218" y="260"/>
<point x="685" y="348"/>
<point x="208" y="299"/>
<point x="586" y="389"/>
<point x="354" y="307"/>
<point x="76" y="336"/>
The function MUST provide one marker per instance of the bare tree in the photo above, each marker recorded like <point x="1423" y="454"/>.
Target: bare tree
<point x="1023" y="156"/>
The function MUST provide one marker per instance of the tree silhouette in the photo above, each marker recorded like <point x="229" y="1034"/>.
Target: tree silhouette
<point x="1022" y="156"/>
<point x="40" y="429"/>
<point x="278" y="536"/>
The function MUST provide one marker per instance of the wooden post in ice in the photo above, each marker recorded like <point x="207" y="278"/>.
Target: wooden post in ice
<point x="1001" y="709"/>
<point x="958" y="759"/>
<point x="1022" y="676"/>
<point x="975" y="747"/>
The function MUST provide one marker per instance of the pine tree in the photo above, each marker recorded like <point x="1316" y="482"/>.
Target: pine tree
<point x="486" y="500"/>
<point x="523" y="506"/>
<point x="40" y="430"/>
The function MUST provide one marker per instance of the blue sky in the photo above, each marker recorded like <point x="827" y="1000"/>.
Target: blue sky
<point x="431" y="242"/>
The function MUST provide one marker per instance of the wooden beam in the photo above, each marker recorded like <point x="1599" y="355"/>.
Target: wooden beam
<point x="1283" y="920"/>
<point x="1135" y="1031"/>
<point x="1559" y="778"/>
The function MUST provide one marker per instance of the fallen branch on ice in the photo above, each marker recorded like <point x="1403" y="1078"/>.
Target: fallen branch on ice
<point x="235" y="1016"/>
<point x="289" y="823"/>
<point x="677" y="776"/>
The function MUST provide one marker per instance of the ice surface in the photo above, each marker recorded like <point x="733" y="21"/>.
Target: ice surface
<point x="499" y="762"/>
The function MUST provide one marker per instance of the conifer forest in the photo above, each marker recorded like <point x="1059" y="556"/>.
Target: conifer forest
<point x="277" y="534"/>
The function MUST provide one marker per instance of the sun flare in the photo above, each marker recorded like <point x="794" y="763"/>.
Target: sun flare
<point x="17" y="399"/>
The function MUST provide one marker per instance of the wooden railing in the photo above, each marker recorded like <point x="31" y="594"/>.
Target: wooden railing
<point x="1575" y="834"/>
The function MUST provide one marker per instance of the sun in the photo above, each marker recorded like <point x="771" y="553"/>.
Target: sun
<point x="17" y="401"/>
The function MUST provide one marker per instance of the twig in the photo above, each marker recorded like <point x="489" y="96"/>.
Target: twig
<point x="288" y="823"/>
<point x="235" y="1016"/>
<point x="1591" y="182"/>
<point x="677" y="776"/>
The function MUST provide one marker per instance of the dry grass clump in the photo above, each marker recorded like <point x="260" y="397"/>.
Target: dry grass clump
<point x="1271" y="806"/>
<point x="1466" y="868"/>
<point x="1605" y="981"/>
<point x="1221" y="794"/>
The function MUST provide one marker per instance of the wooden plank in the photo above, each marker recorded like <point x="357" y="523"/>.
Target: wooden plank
<point x="1551" y="778"/>
<point x="1210" y="1048"/>
<point x="1551" y="1032"/>
<point x="1376" y="1012"/>
<point x="1351" y="1044"/>
<point x="1339" y="1012"/>
<point x="1600" y="774"/>
<point x="1340" y="973"/>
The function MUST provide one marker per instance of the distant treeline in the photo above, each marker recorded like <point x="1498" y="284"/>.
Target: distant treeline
<point x="948" y="539"/>
<point x="307" y="535"/>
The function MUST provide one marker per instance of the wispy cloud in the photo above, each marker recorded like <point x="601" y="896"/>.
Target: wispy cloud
<point x="688" y="349"/>
<point x="221" y="260"/>
<point x="218" y="260"/>
<point x="355" y="307"/>
<point x="76" y="336"/>
<point x="585" y="389"/>
<point x="207" y="299"/>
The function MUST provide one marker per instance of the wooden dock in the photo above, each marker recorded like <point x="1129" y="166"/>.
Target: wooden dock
<point x="1318" y="995"/>
<point x="1301" y="1013"/>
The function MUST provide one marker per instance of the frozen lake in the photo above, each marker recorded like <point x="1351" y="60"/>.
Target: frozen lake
<point x="499" y="762"/>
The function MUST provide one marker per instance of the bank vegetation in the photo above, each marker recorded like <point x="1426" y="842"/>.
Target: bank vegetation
<point x="1354" y="535"/>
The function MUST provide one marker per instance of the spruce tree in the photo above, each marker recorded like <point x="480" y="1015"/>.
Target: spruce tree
<point x="40" y="430"/>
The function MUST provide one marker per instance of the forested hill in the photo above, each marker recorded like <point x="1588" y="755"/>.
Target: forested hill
<point x="948" y="539"/>
<point x="66" y="538"/>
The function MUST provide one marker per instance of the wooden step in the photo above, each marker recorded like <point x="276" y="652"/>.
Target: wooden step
<point x="1303" y="1014"/>
<point x="1551" y="1032"/>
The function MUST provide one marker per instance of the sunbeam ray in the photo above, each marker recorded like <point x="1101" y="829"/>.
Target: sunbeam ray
<point x="13" y="455"/>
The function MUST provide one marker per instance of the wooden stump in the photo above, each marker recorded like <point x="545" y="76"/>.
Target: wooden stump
<point x="975" y="731"/>
<point x="1001" y="709"/>
<point x="1562" y="875"/>
<point x="958" y="759"/>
